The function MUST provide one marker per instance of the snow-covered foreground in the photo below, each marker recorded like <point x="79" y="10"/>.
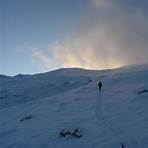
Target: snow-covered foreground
<point x="35" y="109"/>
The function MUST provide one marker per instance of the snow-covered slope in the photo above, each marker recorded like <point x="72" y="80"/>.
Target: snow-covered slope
<point x="34" y="109"/>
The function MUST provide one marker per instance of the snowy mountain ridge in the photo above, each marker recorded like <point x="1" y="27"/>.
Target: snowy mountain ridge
<point x="64" y="109"/>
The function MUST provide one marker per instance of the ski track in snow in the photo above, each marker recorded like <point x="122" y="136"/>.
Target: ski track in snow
<point x="118" y="133"/>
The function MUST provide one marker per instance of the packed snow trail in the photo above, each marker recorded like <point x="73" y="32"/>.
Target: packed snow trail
<point x="120" y="136"/>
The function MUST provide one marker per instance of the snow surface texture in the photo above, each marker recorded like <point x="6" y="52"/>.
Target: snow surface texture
<point x="34" y="109"/>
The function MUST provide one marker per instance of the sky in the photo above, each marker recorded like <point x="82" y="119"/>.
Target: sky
<point x="43" y="35"/>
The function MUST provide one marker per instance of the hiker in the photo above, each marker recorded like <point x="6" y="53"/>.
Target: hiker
<point x="122" y="145"/>
<point x="100" y="86"/>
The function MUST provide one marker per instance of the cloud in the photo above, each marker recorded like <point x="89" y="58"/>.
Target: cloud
<point x="102" y="3"/>
<point x="45" y="61"/>
<point x="118" y="37"/>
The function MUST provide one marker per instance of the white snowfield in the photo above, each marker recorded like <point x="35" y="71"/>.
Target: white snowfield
<point x="35" y="109"/>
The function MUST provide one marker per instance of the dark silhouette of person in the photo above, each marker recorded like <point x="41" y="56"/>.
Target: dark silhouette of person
<point x="100" y="86"/>
<point x="122" y="145"/>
